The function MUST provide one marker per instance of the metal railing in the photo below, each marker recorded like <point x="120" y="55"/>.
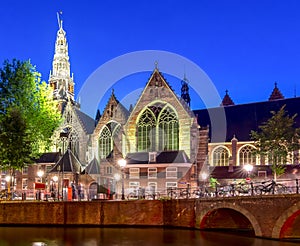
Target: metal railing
<point x="253" y="188"/>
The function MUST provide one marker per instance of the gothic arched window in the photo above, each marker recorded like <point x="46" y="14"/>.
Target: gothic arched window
<point x="74" y="142"/>
<point x="109" y="136"/>
<point x="158" y="129"/>
<point x="247" y="156"/>
<point x="168" y="130"/>
<point x="146" y="131"/>
<point x="220" y="157"/>
<point x="105" y="143"/>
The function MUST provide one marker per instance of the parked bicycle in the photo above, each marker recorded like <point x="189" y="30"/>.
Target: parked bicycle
<point x="224" y="191"/>
<point x="270" y="187"/>
<point x="202" y="192"/>
<point x="172" y="193"/>
<point x="152" y="195"/>
<point x="136" y="194"/>
<point x="242" y="189"/>
<point x="184" y="193"/>
<point x="175" y="193"/>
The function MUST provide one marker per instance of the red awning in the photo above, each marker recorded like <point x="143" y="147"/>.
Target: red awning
<point x="41" y="186"/>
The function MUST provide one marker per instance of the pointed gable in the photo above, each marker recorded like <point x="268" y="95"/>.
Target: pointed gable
<point x="111" y="123"/>
<point x="227" y="101"/>
<point x="114" y="109"/>
<point x="157" y="88"/>
<point x="156" y="99"/>
<point x="276" y="94"/>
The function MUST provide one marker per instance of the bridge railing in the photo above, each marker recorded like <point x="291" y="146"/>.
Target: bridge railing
<point x="252" y="188"/>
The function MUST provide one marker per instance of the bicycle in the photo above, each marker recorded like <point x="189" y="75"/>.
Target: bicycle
<point x="224" y="191"/>
<point x="270" y="187"/>
<point x="242" y="189"/>
<point x="152" y="195"/>
<point x="172" y="193"/>
<point x="184" y="193"/>
<point x="201" y="192"/>
<point x="136" y="194"/>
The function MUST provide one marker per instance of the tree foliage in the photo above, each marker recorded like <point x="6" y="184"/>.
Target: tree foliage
<point x="276" y="139"/>
<point x="28" y="114"/>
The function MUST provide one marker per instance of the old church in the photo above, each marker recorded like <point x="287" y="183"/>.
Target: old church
<point x="162" y="142"/>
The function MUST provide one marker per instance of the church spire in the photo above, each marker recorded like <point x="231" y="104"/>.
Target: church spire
<point x="276" y="94"/>
<point x="185" y="91"/>
<point x="60" y="79"/>
<point x="227" y="101"/>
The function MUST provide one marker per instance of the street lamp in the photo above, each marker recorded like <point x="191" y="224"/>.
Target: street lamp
<point x="122" y="164"/>
<point x="204" y="176"/>
<point x="248" y="168"/>
<point x="40" y="174"/>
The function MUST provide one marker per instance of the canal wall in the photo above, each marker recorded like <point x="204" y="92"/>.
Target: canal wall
<point x="272" y="216"/>
<point x="94" y="213"/>
<point x="99" y="213"/>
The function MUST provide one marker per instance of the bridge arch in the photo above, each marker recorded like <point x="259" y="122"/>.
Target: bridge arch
<point x="286" y="224"/>
<point x="239" y="217"/>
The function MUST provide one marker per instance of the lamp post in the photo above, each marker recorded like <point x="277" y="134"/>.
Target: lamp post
<point x="40" y="174"/>
<point x="55" y="179"/>
<point x="58" y="186"/>
<point x="117" y="178"/>
<point x="8" y="180"/>
<point x="122" y="164"/>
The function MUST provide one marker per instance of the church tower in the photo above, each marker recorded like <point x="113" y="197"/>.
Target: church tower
<point x="59" y="78"/>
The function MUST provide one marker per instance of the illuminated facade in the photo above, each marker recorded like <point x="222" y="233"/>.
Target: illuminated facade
<point x="164" y="142"/>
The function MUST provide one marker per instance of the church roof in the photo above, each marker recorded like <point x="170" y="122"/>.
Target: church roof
<point x="241" y="119"/>
<point x="68" y="163"/>
<point x="176" y="156"/>
<point x="87" y="122"/>
<point x="276" y="94"/>
<point x="93" y="167"/>
<point x="51" y="157"/>
<point x="227" y="101"/>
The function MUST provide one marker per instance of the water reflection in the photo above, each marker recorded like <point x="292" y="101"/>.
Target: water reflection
<point x="50" y="236"/>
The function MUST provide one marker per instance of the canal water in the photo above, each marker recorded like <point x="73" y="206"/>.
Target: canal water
<point x="51" y="236"/>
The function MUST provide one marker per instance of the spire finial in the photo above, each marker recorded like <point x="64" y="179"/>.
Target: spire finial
<point x="156" y="64"/>
<point x="59" y="19"/>
<point x="185" y="78"/>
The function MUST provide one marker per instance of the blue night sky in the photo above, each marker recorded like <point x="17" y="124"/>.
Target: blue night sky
<point x="243" y="46"/>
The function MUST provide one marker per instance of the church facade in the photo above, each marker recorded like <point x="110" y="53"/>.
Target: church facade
<point x="164" y="142"/>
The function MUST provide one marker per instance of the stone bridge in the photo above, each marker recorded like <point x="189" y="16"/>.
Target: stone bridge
<point x="268" y="216"/>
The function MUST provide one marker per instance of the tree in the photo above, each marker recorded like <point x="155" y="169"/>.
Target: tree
<point x="28" y="115"/>
<point x="276" y="139"/>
